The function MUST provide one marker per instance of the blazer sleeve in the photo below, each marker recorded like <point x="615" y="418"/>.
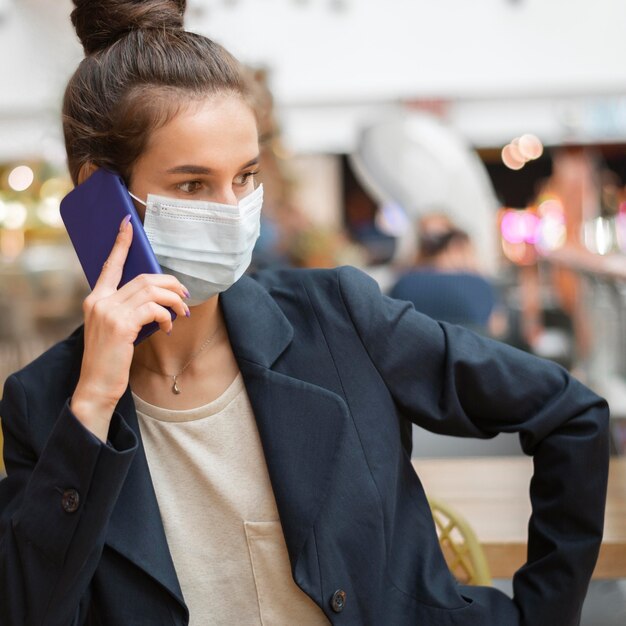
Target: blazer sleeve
<point x="54" y="511"/>
<point x="452" y="381"/>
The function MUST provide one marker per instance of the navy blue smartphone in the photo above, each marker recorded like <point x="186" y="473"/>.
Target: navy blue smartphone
<point x="92" y="213"/>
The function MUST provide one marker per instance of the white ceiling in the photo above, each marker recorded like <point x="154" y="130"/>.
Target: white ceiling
<point x="381" y="49"/>
<point x="504" y="63"/>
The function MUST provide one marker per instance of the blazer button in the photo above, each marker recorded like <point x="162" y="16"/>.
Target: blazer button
<point x="338" y="601"/>
<point x="70" y="500"/>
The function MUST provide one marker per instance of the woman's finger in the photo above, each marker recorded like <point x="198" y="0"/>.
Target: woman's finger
<point x="153" y="312"/>
<point x="159" y="295"/>
<point x="144" y="281"/>
<point x="113" y="267"/>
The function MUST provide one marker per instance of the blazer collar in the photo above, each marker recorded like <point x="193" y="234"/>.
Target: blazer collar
<point x="257" y="328"/>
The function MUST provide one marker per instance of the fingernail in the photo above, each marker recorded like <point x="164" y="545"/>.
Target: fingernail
<point x="125" y="223"/>
<point x="168" y="332"/>
<point x="187" y="312"/>
<point x="186" y="292"/>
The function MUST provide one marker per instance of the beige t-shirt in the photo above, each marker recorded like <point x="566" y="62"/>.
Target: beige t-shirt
<point x="220" y="516"/>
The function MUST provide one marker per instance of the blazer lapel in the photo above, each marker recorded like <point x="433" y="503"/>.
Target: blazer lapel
<point x="300" y="424"/>
<point x="135" y="529"/>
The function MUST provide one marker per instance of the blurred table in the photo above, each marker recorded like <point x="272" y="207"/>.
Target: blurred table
<point x="492" y="494"/>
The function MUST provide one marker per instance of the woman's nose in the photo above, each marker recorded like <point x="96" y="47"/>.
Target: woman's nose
<point x="225" y="195"/>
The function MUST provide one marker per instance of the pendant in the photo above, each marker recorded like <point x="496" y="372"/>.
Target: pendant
<point x="175" y="387"/>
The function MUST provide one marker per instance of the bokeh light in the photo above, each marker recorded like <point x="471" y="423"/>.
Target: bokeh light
<point x="530" y="147"/>
<point x="55" y="188"/>
<point x="511" y="157"/>
<point x="392" y="219"/>
<point x="519" y="227"/>
<point x="12" y="243"/>
<point x="552" y="229"/>
<point x="599" y="235"/>
<point x="551" y="233"/>
<point x="620" y="230"/>
<point x="519" y="253"/>
<point x="48" y="212"/>
<point x="551" y="206"/>
<point x="15" y="217"/>
<point x="21" y="178"/>
<point x="521" y="150"/>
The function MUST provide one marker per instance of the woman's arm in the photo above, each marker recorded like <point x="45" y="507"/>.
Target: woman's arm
<point x="54" y="511"/>
<point x="55" y="507"/>
<point x="451" y="381"/>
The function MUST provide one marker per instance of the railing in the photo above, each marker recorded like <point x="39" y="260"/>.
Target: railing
<point x="603" y="306"/>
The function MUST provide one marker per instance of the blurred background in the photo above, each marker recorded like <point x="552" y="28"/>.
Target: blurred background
<point x="481" y="141"/>
<point x="506" y="117"/>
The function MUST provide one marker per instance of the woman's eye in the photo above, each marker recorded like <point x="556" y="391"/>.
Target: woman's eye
<point x="189" y="186"/>
<point x="244" y="178"/>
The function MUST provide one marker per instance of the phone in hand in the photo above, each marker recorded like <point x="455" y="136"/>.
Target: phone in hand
<point x="92" y="213"/>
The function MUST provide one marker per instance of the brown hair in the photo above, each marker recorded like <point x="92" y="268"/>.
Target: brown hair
<point x="433" y="244"/>
<point x="140" y="68"/>
<point x="437" y="235"/>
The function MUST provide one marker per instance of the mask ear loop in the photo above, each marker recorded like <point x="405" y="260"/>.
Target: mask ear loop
<point x="134" y="197"/>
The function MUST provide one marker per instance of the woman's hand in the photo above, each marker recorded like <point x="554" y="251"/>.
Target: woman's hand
<point x="113" y="319"/>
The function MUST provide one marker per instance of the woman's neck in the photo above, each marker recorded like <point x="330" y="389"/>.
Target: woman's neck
<point x="170" y="353"/>
<point x="198" y="353"/>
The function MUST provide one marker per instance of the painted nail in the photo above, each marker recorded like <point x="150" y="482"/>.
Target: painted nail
<point x="125" y="223"/>
<point x="187" y="312"/>
<point x="186" y="292"/>
<point x="168" y="332"/>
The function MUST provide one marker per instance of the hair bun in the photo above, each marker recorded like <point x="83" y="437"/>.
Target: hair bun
<point x="100" y="23"/>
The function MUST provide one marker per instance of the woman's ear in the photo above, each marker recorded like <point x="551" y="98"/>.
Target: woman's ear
<point x="85" y="171"/>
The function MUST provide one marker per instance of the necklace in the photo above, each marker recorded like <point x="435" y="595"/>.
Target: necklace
<point x="175" y="387"/>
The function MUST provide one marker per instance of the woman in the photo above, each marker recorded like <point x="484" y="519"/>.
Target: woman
<point x="251" y="463"/>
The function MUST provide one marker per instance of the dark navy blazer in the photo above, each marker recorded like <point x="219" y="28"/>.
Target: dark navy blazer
<point x="334" y="372"/>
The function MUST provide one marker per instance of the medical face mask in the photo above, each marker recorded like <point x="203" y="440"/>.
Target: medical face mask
<point x="206" y="245"/>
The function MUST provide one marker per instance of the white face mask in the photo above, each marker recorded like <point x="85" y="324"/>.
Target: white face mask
<point x="206" y="245"/>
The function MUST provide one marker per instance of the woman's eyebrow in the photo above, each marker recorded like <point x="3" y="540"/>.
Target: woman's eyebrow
<point x="189" y="169"/>
<point x="201" y="170"/>
<point x="254" y="161"/>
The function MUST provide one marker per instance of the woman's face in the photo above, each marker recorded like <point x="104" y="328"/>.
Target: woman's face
<point x="208" y="151"/>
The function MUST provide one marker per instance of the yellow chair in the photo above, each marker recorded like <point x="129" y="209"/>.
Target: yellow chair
<point x="460" y="546"/>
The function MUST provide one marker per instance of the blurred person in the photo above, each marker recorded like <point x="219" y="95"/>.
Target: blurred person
<point x="250" y="462"/>
<point x="445" y="282"/>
